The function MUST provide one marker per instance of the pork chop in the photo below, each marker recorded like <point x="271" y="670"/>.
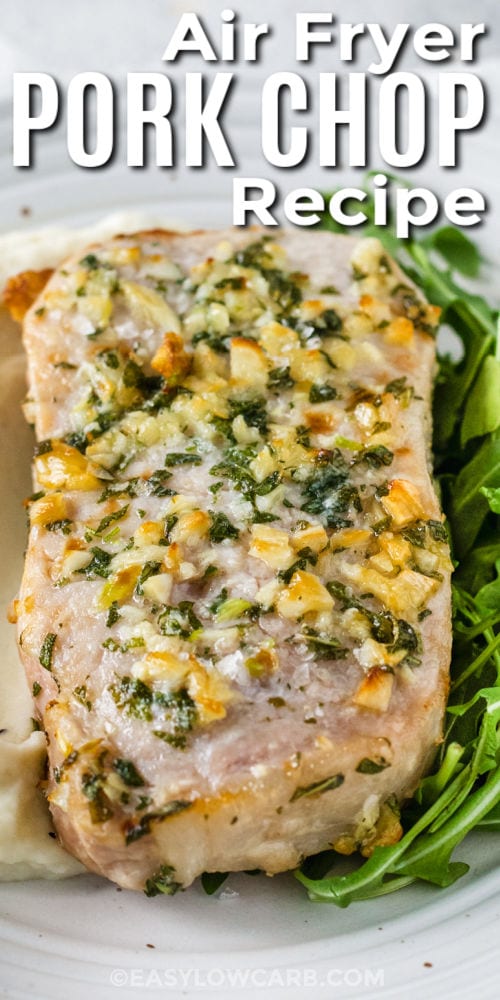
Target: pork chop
<point x="235" y="611"/>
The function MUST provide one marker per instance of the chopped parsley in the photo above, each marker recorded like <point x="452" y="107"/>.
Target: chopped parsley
<point x="219" y="601"/>
<point x="329" y="321"/>
<point x="150" y="568"/>
<point x="236" y="284"/>
<point x="174" y="710"/>
<point x="128" y="489"/>
<point x="182" y="458"/>
<point x="324" y="647"/>
<point x="215" y="342"/>
<point x="113" y="615"/>
<point x="322" y="393"/>
<point x="283" y="288"/>
<point x="306" y="556"/>
<point x="133" y="375"/>
<point x="375" y="766"/>
<point x="117" y="515"/>
<point x="91" y="262"/>
<point x="252" y="409"/>
<point x="162" y="883"/>
<point x="400" y="389"/>
<point x="395" y="633"/>
<point x="80" y="693"/>
<point x="155" y="484"/>
<point x="135" y="831"/>
<point x="47" y="650"/>
<point x="221" y="528"/>
<point x="318" y="787"/>
<point x="329" y="494"/>
<point x="179" y="620"/>
<point x="128" y="772"/>
<point x="110" y="358"/>
<point x="280" y="378"/>
<point x="99" y="564"/>
<point x="100" y="808"/>
<point x="375" y="457"/>
<point x="64" y="525"/>
<point x="234" y="466"/>
<point x="42" y="448"/>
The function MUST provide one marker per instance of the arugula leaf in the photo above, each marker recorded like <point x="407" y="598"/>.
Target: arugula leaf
<point x="479" y="566"/>
<point x="463" y="791"/>
<point x="211" y="881"/>
<point x="488" y="598"/>
<point x="391" y="868"/>
<point x="469" y="505"/>
<point x="456" y="248"/>
<point x="482" y="412"/>
<point x="493" y="498"/>
<point x="473" y="320"/>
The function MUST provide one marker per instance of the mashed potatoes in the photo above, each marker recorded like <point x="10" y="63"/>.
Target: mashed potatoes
<point x="28" y="846"/>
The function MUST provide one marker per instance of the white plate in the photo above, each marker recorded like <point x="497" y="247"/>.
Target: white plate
<point x="261" y="937"/>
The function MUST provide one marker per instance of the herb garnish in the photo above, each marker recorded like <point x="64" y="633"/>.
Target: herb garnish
<point x="143" y="826"/>
<point x="375" y="457"/>
<point x="280" y="378"/>
<point x="463" y="791"/>
<point x="128" y="773"/>
<point x="99" y="564"/>
<point x="80" y="693"/>
<point x="93" y="787"/>
<point x="324" y="647"/>
<point x="319" y="787"/>
<point x="322" y="393"/>
<point x="252" y="409"/>
<point x="149" y="569"/>
<point x="372" y="766"/>
<point x="63" y="525"/>
<point x="174" y="710"/>
<point x="182" y="458"/>
<point x="117" y="515"/>
<point x="221" y="527"/>
<point x="47" y="650"/>
<point x="328" y="492"/>
<point x="180" y="620"/>
<point x="162" y="882"/>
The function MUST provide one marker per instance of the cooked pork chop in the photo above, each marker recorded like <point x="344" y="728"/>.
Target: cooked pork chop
<point x="235" y="611"/>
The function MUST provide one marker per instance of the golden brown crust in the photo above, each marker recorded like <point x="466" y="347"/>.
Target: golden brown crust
<point x="22" y="290"/>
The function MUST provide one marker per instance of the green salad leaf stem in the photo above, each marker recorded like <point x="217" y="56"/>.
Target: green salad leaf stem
<point x="463" y="790"/>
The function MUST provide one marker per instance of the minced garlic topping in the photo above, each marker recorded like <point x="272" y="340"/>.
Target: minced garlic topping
<point x="237" y="408"/>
